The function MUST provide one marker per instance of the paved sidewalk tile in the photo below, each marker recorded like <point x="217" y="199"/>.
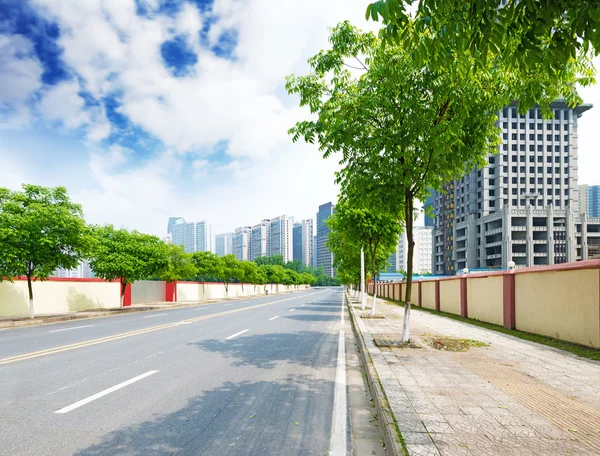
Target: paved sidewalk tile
<point x="513" y="397"/>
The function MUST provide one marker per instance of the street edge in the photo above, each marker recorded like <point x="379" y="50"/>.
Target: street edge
<point x="118" y="312"/>
<point x="391" y="432"/>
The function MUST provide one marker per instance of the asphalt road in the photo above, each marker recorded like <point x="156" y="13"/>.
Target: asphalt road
<point x="253" y="377"/>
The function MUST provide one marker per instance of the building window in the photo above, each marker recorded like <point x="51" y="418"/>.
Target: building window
<point x="540" y="169"/>
<point x="540" y="181"/>
<point x="513" y="136"/>
<point x="522" y="136"/>
<point x="504" y="146"/>
<point x="549" y="159"/>
<point x="505" y="180"/>
<point x="531" y="159"/>
<point x="505" y="158"/>
<point x="504" y="112"/>
<point x="505" y="125"/>
<point x="505" y="191"/>
<point x="521" y="169"/>
<point x="566" y="181"/>
<point x="548" y="126"/>
<point x="492" y="181"/>
<point x="492" y="160"/>
<point x="548" y="148"/>
<point x="522" y="158"/>
<point x="566" y="203"/>
<point x="492" y="203"/>
<point x="532" y="114"/>
<point x="514" y="202"/>
<point x="557" y="203"/>
<point x="557" y="159"/>
<point x="514" y="169"/>
<point x="549" y="192"/>
<point x="531" y="147"/>
<point x="514" y="180"/>
<point x="549" y="202"/>
<point x="565" y="138"/>
<point x="557" y="181"/>
<point x="532" y="180"/>
<point x="566" y="170"/>
<point x="566" y="148"/>
<point x="522" y="180"/>
<point x="556" y="148"/>
<point x="548" y="137"/>
<point x="540" y="202"/>
<point x="566" y="192"/>
<point x="505" y="169"/>
<point x="549" y="181"/>
<point x="522" y="201"/>
<point x="556" y="170"/>
<point x="540" y="159"/>
<point x="514" y="125"/>
<point x="556" y="137"/>
<point x="532" y="169"/>
<point x="514" y="113"/>
<point x="540" y="148"/>
<point x="557" y="114"/>
<point x="540" y="137"/>
<point x="539" y="126"/>
<point x="531" y="126"/>
<point x="514" y="147"/>
<point x="566" y="127"/>
<point x="557" y="191"/>
<point x="514" y="191"/>
<point x="556" y="126"/>
<point x="492" y="171"/>
<point x="549" y="170"/>
<point x="514" y="158"/>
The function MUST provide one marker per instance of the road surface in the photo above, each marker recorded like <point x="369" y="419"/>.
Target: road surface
<point x="255" y="377"/>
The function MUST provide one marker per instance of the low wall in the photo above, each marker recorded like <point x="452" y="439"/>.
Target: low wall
<point x="208" y="291"/>
<point x="147" y="291"/>
<point x="58" y="296"/>
<point x="560" y="301"/>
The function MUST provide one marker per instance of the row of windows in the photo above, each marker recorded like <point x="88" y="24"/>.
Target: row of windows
<point x="532" y="126"/>
<point x="532" y="159"/>
<point x="531" y="202"/>
<point x="532" y="148"/>
<point x="537" y="114"/>
<point x="540" y="169"/>
<point x="532" y="137"/>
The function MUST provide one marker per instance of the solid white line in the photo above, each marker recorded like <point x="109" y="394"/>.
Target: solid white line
<point x="152" y="316"/>
<point x="340" y="410"/>
<point x="69" y="329"/>
<point x="87" y="400"/>
<point x="291" y="310"/>
<point x="273" y="318"/>
<point x="236" y="334"/>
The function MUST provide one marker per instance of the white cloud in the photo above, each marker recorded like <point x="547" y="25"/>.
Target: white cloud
<point x="62" y="103"/>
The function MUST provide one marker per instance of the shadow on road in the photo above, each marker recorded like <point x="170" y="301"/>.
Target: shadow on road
<point x="313" y="317"/>
<point x="266" y="351"/>
<point x="290" y="416"/>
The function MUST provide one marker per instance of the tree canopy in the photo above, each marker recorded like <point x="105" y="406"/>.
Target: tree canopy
<point x="179" y="265"/>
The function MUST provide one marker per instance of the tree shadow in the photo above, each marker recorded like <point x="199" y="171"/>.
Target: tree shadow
<point x="290" y="416"/>
<point x="14" y="300"/>
<point x="320" y="309"/>
<point x="77" y="301"/>
<point x="313" y="317"/>
<point x="267" y="350"/>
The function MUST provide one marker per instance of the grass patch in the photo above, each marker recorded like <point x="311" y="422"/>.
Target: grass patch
<point x="453" y="344"/>
<point x="576" y="349"/>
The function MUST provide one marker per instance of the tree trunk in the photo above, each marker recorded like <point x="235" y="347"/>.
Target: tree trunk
<point x="30" y="287"/>
<point x="123" y="285"/>
<point x="374" y="284"/>
<point x="408" y="213"/>
<point x="363" y="292"/>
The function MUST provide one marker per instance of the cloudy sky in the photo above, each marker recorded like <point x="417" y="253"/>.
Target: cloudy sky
<point x="146" y="109"/>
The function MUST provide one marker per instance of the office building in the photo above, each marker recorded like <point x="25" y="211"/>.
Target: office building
<point x="241" y="242"/>
<point x="324" y="256"/>
<point x="523" y="206"/>
<point x="428" y="209"/>
<point x="260" y="240"/>
<point x="297" y="239"/>
<point x="173" y="221"/>
<point x="184" y="233"/>
<point x="205" y="238"/>
<point x="224" y="244"/>
<point x="589" y="200"/>
<point x="422" y="252"/>
<point x="281" y="237"/>
<point x="82" y="271"/>
<point x="314" y="260"/>
<point x="307" y="242"/>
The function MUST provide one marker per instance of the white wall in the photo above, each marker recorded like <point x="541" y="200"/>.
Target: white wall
<point x="146" y="291"/>
<point x="57" y="297"/>
<point x="200" y="292"/>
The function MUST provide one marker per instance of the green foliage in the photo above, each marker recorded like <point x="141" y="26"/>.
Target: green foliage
<point x="40" y="230"/>
<point x="272" y="260"/>
<point x="208" y="265"/>
<point x="179" y="265"/>
<point x="544" y="47"/>
<point x="127" y="256"/>
<point x="231" y="270"/>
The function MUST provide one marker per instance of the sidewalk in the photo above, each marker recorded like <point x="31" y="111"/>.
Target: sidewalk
<point x="512" y="397"/>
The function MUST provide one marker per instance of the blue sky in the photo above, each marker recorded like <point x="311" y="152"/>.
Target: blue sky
<point x="145" y="109"/>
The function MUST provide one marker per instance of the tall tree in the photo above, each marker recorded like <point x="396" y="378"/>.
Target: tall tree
<point x="231" y="270"/>
<point x="40" y="230"/>
<point x="179" y="264"/>
<point x="399" y="127"/>
<point x="547" y="43"/>
<point x="127" y="256"/>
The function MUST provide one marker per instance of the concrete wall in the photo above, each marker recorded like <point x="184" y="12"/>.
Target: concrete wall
<point x="58" y="296"/>
<point x="485" y="298"/>
<point x="428" y="290"/>
<point x="450" y="296"/>
<point x="146" y="291"/>
<point x="200" y="292"/>
<point x="560" y="304"/>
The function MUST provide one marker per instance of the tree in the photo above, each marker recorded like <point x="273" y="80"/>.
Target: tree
<point x="290" y="277"/>
<point x="271" y="260"/>
<point x="401" y="128"/>
<point x="127" y="256"/>
<point x="231" y="270"/>
<point x="374" y="230"/>
<point x="250" y="273"/>
<point x="208" y="266"/>
<point x="547" y="43"/>
<point x="179" y="264"/>
<point x="40" y="230"/>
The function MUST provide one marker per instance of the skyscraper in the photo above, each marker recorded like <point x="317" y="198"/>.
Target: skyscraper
<point x="184" y="234"/>
<point x="205" y="238"/>
<point x="241" y="242"/>
<point x="427" y="207"/>
<point x="422" y="252"/>
<point x="324" y="256"/>
<point x="260" y="237"/>
<point x="297" y="241"/>
<point x="307" y="242"/>
<point x="224" y="244"/>
<point x="589" y="200"/>
<point x="583" y="199"/>
<point x="173" y="221"/>
<point x="522" y="207"/>
<point x="281" y="237"/>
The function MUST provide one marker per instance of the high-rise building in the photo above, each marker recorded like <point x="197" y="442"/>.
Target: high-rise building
<point x="589" y="200"/>
<point x="307" y="242"/>
<point x="260" y="240"/>
<point x="422" y="252"/>
<point x="281" y="237"/>
<point x="241" y="242"/>
<point x="522" y="207"/>
<point x="184" y="233"/>
<point x="324" y="256"/>
<point x="583" y="199"/>
<point x="173" y="221"/>
<point x="82" y="271"/>
<point x="205" y="238"/>
<point x="297" y="239"/>
<point x="428" y="208"/>
<point x="314" y="260"/>
<point x="224" y="244"/>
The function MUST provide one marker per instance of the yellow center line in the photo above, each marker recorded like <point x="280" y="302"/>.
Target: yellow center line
<point x="137" y="332"/>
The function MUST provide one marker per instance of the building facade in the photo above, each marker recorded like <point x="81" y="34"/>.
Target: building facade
<point x="589" y="200"/>
<point x="184" y="234"/>
<point x="297" y="240"/>
<point x="241" y="242"/>
<point x="583" y="199"/>
<point x="422" y="253"/>
<point x="224" y="244"/>
<point x="205" y="238"/>
<point x="260" y="240"/>
<point x="173" y="221"/>
<point x="324" y="256"/>
<point x="523" y="206"/>
<point x="307" y="242"/>
<point x="281" y="237"/>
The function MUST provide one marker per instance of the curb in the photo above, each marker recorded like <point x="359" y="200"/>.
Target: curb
<point x="393" y="445"/>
